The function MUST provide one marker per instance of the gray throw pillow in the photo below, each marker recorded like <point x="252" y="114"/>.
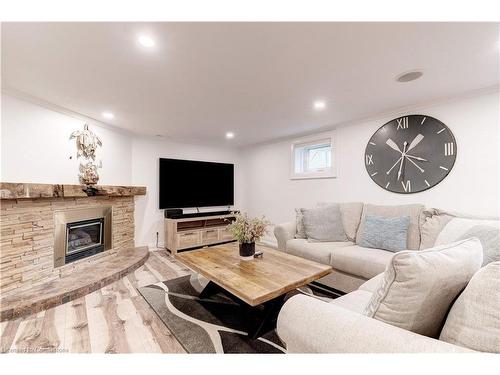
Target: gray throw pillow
<point x="299" y="224"/>
<point x="386" y="233"/>
<point x="490" y="240"/>
<point x="324" y="224"/>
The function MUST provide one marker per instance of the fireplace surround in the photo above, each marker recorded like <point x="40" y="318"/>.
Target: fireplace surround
<point x="27" y="229"/>
<point x="80" y="233"/>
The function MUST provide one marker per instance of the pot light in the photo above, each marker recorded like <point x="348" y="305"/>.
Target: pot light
<point x="108" y="115"/>
<point x="146" y="41"/>
<point x="319" y="105"/>
<point x="409" y="76"/>
<point x="229" y="135"/>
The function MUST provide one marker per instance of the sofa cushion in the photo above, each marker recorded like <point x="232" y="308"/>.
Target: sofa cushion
<point x="316" y="251"/>
<point x="432" y="223"/>
<point x="372" y="284"/>
<point x="474" y="319"/>
<point x="434" y="220"/>
<point x="355" y="301"/>
<point x="351" y="217"/>
<point x="411" y="210"/>
<point x="418" y="287"/>
<point x="324" y="224"/>
<point x="360" y="261"/>
<point x="386" y="233"/>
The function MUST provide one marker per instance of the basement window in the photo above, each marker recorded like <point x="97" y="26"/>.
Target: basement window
<point x="313" y="157"/>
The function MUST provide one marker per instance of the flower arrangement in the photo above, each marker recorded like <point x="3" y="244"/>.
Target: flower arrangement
<point x="247" y="230"/>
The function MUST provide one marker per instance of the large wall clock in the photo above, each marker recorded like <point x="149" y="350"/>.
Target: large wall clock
<point x="410" y="154"/>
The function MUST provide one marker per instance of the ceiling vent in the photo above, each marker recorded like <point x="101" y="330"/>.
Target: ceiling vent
<point x="409" y="76"/>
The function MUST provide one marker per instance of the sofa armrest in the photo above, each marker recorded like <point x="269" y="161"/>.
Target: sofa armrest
<point x="284" y="232"/>
<point x="309" y="325"/>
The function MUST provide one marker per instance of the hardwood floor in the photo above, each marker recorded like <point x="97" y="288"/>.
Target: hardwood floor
<point x="114" y="319"/>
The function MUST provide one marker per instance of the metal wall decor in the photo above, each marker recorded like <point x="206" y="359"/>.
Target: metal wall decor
<point x="86" y="145"/>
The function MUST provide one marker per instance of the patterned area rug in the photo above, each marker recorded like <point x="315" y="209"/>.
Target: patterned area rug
<point x="212" y="325"/>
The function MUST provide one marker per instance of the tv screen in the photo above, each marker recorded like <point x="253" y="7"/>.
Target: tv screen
<point x="189" y="183"/>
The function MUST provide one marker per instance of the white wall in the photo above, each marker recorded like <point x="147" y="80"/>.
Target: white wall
<point x="35" y="146"/>
<point x="145" y="155"/>
<point x="472" y="186"/>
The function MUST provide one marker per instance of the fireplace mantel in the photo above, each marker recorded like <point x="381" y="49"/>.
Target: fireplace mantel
<point x="23" y="190"/>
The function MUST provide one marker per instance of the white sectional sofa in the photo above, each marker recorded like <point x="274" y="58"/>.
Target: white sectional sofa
<point x="341" y="326"/>
<point x="352" y="264"/>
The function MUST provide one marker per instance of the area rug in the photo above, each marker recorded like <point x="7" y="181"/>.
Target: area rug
<point x="211" y="325"/>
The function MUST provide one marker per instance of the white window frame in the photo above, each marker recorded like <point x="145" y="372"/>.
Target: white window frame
<point x="312" y="140"/>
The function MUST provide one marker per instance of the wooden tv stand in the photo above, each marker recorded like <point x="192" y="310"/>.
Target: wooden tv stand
<point x="195" y="232"/>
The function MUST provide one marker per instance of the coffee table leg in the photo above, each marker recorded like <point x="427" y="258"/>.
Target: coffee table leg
<point x="271" y="310"/>
<point x="210" y="289"/>
<point x="270" y="313"/>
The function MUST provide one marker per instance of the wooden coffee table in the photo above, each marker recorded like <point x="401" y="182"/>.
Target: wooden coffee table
<point x="260" y="281"/>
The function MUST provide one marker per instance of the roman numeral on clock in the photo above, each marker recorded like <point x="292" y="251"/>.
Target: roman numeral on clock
<point x="449" y="149"/>
<point x="368" y="159"/>
<point x="406" y="186"/>
<point x="402" y="123"/>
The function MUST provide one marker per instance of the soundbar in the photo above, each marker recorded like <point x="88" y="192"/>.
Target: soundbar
<point x="175" y="214"/>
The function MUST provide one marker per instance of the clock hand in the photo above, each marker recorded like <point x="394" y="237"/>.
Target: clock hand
<point x="402" y="160"/>
<point x="416" y="157"/>
<point x="415" y="164"/>
<point x="397" y="161"/>
<point x="393" y="145"/>
<point x="415" y="141"/>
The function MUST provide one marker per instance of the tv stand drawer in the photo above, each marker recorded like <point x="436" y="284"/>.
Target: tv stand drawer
<point x="225" y="235"/>
<point x="188" y="239"/>
<point x="209" y="235"/>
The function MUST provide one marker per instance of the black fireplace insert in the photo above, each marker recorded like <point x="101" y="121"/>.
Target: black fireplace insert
<point x="84" y="238"/>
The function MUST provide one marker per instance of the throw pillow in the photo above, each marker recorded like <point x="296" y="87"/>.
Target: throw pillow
<point x="351" y="217"/>
<point x="299" y="224"/>
<point x="457" y="227"/>
<point x="324" y="224"/>
<point x="411" y="210"/>
<point x="418" y="287"/>
<point x="440" y="226"/>
<point x="474" y="319"/>
<point x="490" y="240"/>
<point x="387" y="233"/>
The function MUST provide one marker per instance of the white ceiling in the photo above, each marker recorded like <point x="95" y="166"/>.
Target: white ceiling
<point x="258" y="80"/>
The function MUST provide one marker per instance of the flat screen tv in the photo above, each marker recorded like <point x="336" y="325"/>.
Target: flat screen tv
<point x="189" y="183"/>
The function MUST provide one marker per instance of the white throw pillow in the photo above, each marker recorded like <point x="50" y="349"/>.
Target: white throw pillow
<point x="418" y="287"/>
<point x="474" y="319"/>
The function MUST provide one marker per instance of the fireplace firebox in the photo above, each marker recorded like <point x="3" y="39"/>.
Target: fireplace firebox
<point x="81" y="233"/>
<point x="84" y="238"/>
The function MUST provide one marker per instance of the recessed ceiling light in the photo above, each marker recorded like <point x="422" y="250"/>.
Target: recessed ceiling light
<point x="319" y="105"/>
<point x="108" y="115"/>
<point x="146" y="41"/>
<point x="409" y="76"/>
<point x="229" y="135"/>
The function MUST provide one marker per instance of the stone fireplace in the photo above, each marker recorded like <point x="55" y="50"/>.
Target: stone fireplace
<point x="80" y="233"/>
<point x="50" y="231"/>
